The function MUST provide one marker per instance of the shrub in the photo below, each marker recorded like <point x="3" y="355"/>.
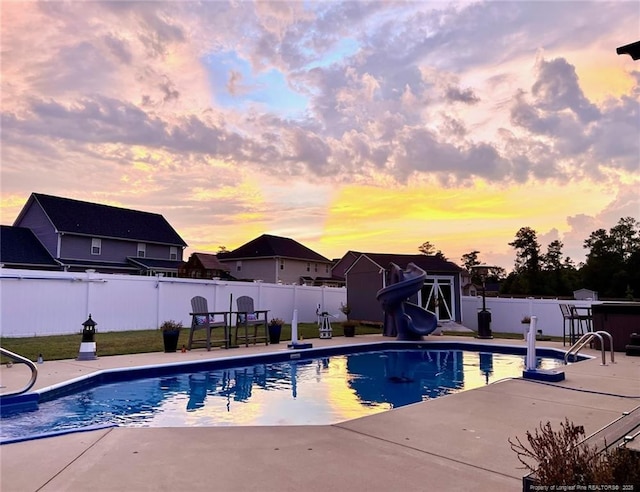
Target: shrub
<point x="561" y="458"/>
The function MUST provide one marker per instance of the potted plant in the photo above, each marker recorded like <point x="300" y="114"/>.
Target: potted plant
<point x="275" y="330"/>
<point x="348" y="327"/>
<point x="170" y="334"/>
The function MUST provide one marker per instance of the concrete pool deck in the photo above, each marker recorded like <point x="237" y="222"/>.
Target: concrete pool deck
<point x="458" y="442"/>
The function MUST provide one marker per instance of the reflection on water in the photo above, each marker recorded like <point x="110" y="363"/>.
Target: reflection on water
<point x="318" y="391"/>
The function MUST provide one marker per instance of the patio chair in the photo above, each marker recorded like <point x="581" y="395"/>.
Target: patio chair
<point x="582" y="315"/>
<point x="567" y="323"/>
<point x="247" y="316"/>
<point x="203" y="319"/>
<point x="575" y="322"/>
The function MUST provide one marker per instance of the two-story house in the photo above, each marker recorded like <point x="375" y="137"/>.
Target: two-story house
<point x="276" y="259"/>
<point x="84" y="235"/>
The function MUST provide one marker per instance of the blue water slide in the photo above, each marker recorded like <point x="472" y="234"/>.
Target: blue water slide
<point x="404" y="319"/>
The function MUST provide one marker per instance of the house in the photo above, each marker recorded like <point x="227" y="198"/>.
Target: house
<point x="20" y="248"/>
<point x="277" y="259"/>
<point x="204" y="265"/>
<point x="368" y="273"/>
<point x="83" y="235"/>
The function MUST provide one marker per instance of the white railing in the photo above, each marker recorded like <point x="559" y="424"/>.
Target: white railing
<point x="56" y="303"/>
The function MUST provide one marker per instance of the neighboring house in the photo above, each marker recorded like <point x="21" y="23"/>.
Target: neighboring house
<point x="20" y="248"/>
<point x="368" y="274"/>
<point x="204" y="265"/>
<point x="84" y="235"/>
<point x="277" y="259"/>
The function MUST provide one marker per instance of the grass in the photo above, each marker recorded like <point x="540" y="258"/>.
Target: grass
<point x="59" y="347"/>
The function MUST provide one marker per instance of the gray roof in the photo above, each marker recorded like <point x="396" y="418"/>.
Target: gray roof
<point x="268" y="246"/>
<point x="93" y="219"/>
<point x="429" y="263"/>
<point x="19" y="247"/>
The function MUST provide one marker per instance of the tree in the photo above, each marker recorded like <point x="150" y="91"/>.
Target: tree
<point x="429" y="249"/>
<point x="470" y="259"/>
<point x="527" y="250"/>
<point x="222" y="249"/>
<point x="526" y="277"/>
<point x="552" y="260"/>
<point x="611" y="267"/>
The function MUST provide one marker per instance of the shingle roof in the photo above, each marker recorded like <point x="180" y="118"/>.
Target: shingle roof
<point x="268" y="246"/>
<point x="19" y="246"/>
<point x="93" y="219"/>
<point x="428" y="263"/>
<point x="210" y="261"/>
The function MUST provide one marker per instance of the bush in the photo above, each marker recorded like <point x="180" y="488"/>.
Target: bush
<point x="561" y="458"/>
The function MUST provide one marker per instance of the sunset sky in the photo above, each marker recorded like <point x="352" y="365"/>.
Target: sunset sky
<point x="369" y="126"/>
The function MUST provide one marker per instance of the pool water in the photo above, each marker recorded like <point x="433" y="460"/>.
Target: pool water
<point x="324" y="390"/>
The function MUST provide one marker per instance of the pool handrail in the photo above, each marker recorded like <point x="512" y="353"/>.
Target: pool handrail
<point x="586" y="338"/>
<point x="24" y="360"/>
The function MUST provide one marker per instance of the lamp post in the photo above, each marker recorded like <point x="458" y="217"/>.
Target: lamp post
<point x="484" y="316"/>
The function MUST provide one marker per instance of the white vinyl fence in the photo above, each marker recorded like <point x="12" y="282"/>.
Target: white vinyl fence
<point x="507" y="313"/>
<point x="56" y="303"/>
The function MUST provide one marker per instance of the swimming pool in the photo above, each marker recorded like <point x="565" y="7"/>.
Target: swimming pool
<point x="293" y="388"/>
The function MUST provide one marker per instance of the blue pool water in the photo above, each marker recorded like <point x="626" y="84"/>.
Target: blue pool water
<point x="322" y="390"/>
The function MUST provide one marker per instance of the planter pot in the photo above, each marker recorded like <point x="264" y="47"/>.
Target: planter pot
<point x="170" y="339"/>
<point x="274" y="333"/>
<point x="349" y="330"/>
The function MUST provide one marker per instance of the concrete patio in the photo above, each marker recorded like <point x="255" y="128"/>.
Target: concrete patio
<point x="458" y="442"/>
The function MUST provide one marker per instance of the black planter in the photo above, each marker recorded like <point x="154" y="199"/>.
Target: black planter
<point x="274" y="333"/>
<point x="349" y="330"/>
<point x="170" y="339"/>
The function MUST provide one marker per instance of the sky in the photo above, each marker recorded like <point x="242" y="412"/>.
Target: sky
<point x="367" y="126"/>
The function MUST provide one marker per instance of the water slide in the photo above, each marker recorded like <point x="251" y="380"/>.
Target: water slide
<point x="404" y="319"/>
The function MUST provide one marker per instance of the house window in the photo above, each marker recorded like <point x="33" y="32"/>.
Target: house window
<point x="308" y="267"/>
<point x="326" y="269"/>
<point x="96" y="246"/>
<point x="281" y="264"/>
<point x="173" y="253"/>
<point x="238" y="266"/>
<point x="315" y="267"/>
<point x="142" y="249"/>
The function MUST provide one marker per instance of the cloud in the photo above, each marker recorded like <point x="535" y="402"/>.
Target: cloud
<point x="329" y="93"/>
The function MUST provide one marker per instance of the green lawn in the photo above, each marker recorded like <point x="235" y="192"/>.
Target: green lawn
<point x="135" y="342"/>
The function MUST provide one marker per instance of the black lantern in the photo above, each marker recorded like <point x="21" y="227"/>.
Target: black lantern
<point x="88" y="344"/>
<point x="89" y="330"/>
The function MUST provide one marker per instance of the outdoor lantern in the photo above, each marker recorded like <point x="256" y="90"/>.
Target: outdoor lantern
<point x="484" y="316"/>
<point x="88" y="344"/>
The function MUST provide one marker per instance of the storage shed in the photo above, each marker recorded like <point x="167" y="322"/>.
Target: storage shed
<point x="368" y="273"/>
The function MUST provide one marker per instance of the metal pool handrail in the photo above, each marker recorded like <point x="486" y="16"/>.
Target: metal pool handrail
<point x="30" y="364"/>
<point x="586" y="338"/>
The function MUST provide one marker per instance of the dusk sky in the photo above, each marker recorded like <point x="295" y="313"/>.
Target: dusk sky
<point x="369" y="126"/>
